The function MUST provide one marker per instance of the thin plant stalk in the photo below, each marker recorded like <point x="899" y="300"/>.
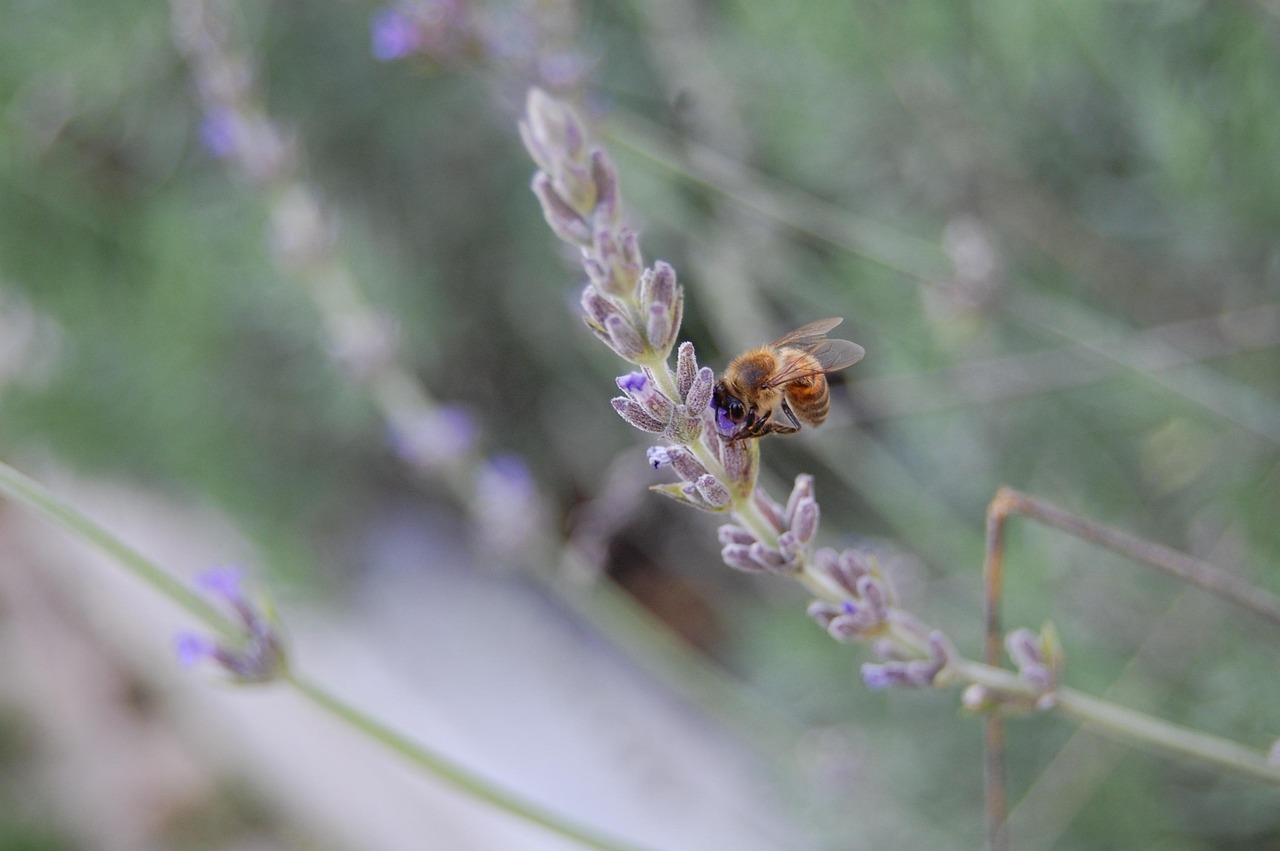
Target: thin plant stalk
<point x="25" y="491"/>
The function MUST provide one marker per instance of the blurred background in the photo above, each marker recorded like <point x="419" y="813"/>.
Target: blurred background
<point x="1052" y="226"/>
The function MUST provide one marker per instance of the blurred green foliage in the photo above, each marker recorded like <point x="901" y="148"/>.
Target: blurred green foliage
<point x="1112" y="164"/>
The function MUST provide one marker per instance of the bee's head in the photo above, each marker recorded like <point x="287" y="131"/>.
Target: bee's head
<point x="730" y="412"/>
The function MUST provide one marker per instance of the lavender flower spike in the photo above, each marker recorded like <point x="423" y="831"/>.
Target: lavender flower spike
<point x="255" y="654"/>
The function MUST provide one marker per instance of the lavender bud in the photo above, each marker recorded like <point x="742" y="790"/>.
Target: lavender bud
<point x="604" y="174"/>
<point x="631" y="258"/>
<point x="804" y="521"/>
<point x="739" y="463"/>
<point x="688" y="467"/>
<point x="597" y="307"/>
<point x="918" y="673"/>
<point x="941" y="650"/>
<point x="699" y="394"/>
<point x="710" y="440"/>
<point x="563" y="219"/>
<point x="881" y="676"/>
<point x="822" y="612"/>
<point x="1273" y="755"/>
<point x="713" y="491"/>
<point x="852" y="624"/>
<point x="738" y="556"/>
<point x="827" y="562"/>
<point x="617" y="275"/>
<point x="658" y="328"/>
<point x="658" y="285"/>
<point x="764" y="503"/>
<point x="1023" y="647"/>
<point x="552" y="132"/>
<point x="802" y="490"/>
<point x="623" y="338"/>
<point x="686" y="370"/>
<point x="636" y="415"/>
<point x="789" y="547"/>
<point x="768" y="558"/>
<point x="683" y="428"/>
<point x="871" y="590"/>
<point x="854" y="565"/>
<point x="733" y="534"/>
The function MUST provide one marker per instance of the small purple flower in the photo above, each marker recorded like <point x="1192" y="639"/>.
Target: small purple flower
<point x="723" y="423"/>
<point x="435" y="438"/>
<point x="224" y="581"/>
<point x="220" y="131"/>
<point x="879" y="677"/>
<point x="507" y="504"/>
<point x="255" y="654"/>
<point x="192" y="648"/>
<point x="633" y="383"/>
<point x="393" y="35"/>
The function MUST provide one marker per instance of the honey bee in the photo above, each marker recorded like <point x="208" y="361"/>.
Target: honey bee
<point x="773" y="389"/>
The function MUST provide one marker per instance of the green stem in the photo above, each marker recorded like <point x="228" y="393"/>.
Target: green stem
<point x="24" y="490"/>
<point x="1126" y="724"/>
<point x="450" y="772"/>
<point x="1131" y="726"/>
<point x="27" y="492"/>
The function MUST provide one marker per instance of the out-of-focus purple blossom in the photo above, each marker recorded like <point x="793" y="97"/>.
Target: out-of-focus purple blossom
<point x="192" y="648"/>
<point x="394" y="35"/>
<point x="915" y="673"/>
<point x="225" y="581"/>
<point x="255" y="654"/>
<point x="507" y="505"/>
<point x="220" y="131"/>
<point x="435" y="438"/>
<point x="1038" y="658"/>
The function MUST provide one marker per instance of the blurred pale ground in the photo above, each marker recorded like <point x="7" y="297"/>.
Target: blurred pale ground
<point x="1052" y="226"/>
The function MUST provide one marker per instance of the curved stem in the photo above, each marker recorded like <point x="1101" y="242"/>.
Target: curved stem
<point x="451" y="772"/>
<point x="29" y="493"/>
<point x="1131" y="726"/>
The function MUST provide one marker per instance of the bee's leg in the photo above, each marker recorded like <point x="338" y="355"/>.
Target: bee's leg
<point x="795" y="423"/>
<point x="782" y="428"/>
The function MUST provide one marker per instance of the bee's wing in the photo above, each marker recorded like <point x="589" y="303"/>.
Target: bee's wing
<point x="837" y="354"/>
<point x="831" y="355"/>
<point x="807" y="336"/>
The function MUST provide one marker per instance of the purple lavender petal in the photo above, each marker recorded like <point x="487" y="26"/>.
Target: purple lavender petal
<point x="633" y="383"/>
<point x="219" y="131"/>
<point x="225" y="581"/>
<point x="191" y="648"/>
<point x="393" y="35"/>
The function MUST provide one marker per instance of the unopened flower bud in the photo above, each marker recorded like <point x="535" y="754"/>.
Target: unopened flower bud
<point x="636" y="415"/>
<point x="605" y="176"/>
<point x="713" y="491"/>
<point x="733" y="534"/>
<point x="686" y="369"/>
<point x="567" y="223"/>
